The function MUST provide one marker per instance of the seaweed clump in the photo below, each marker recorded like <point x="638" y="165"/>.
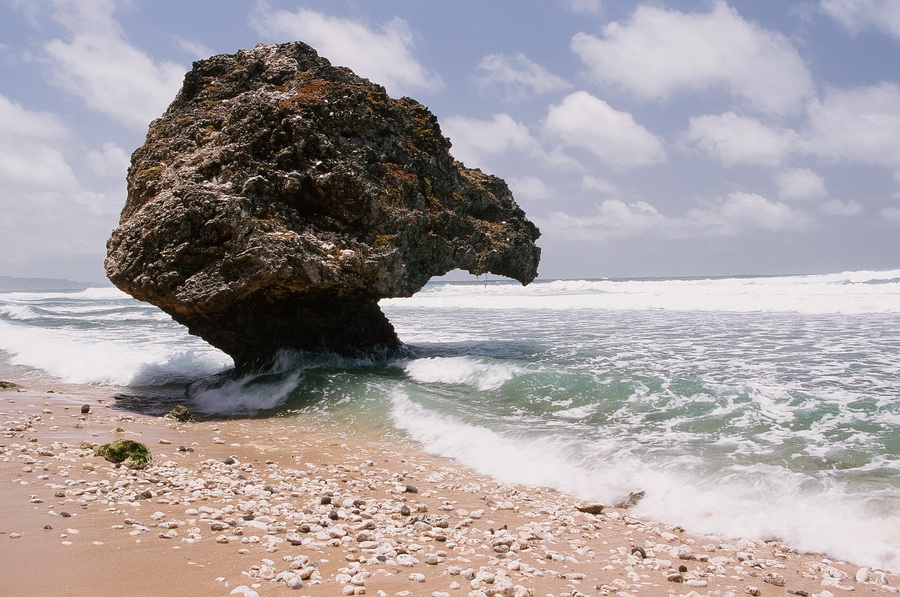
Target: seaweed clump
<point x="125" y="451"/>
<point x="180" y="413"/>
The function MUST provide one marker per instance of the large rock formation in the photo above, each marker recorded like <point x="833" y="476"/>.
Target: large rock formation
<point x="280" y="197"/>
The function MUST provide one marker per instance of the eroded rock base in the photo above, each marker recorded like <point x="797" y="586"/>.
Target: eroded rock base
<point x="349" y="328"/>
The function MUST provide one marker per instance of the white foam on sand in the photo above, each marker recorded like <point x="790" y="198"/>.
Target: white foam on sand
<point x="760" y="502"/>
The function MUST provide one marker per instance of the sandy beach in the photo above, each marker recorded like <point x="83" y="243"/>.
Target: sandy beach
<point x="244" y="507"/>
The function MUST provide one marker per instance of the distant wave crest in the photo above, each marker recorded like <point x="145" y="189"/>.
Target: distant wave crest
<point x="843" y="293"/>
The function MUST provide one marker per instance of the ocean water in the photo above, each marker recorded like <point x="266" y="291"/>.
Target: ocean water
<point x="760" y="407"/>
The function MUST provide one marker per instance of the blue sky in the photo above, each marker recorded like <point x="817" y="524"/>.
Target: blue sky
<point x="688" y="137"/>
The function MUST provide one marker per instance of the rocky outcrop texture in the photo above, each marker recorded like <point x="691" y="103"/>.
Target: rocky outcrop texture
<point x="280" y="197"/>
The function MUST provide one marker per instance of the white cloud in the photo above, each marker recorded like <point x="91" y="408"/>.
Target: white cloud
<point x="16" y="120"/>
<point x="660" y="52"/>
<point x="28" y="156"/>
<point x="891" y="213"/>
<point x="531" y="188"/>
<point x="629" y="219"/>
<point x="475" y="140"/>
<point x="614" y="219"/>
<point x="857" y="125"/>
<point x="732" y="139"/>
<point x="98" y="65"/>
<point x="799" y="184"/>
<point x="516" y="76"/>
<point x="842" y="208"/>
<point x="598" y="185"/>
<point x="591" y="7"/>
<point x="33" y="166"/>
<point x="859" y="14"/>
<point x="737" y="214"/>
<point x="383" y="56"/>
<point x="48" y="214"/>
<point x="110" y="160"/>
<point x="584" y="121"/>
<point x="740" y="212"/>
<point x="195" y="49"/>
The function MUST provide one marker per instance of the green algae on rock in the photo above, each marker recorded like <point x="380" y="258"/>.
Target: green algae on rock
<point x="125" y="451"/>
<point x="180" y="413"/>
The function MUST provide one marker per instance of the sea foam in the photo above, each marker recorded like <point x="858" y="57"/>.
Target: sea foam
<point x="847" y="293"/>
<point x="761" y="502"/>
<point x="478" y="373"/>
<point x="76" y="357"/>
<point x="756" y="407"/>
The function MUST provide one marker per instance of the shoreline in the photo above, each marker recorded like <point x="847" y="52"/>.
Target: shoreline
<point x="248" y="503"/>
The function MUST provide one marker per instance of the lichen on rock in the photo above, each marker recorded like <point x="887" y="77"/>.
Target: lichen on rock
<point x="280" y="197"/>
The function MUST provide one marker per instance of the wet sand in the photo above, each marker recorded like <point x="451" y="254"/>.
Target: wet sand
<point x="290" y="507"/>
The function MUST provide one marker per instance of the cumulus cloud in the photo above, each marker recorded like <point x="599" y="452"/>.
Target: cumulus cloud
<point x="836" y="207"/>
<point x="516" y="76"/>
<point x="732" y="139"/>
<point x="891" y="213"/>
<point x="737" y="214"/>
<point x="98" y="65"/>
<point x="584" y="121"/>
<point x="598" y="185"/>
<point x="28" y="156"/>
<point x="531" y="188"/>
<point x="800" y="184"/>
<point x="856" y="15"/>
<point x="475" y="140"/>
<point x="741" y="212"/>
<point x="195" y="49"/>
<point x="857" y="125"/>
<point x="629" y="219"/>
<point x="613" y="219"/>
<point x="18" y="121"/>
<point x="33" y="166"/>
<point x="109" y="161"/>
<point x="48" y="214"/>
<point x="660" y="52"/>
<point x="383" y="55"/>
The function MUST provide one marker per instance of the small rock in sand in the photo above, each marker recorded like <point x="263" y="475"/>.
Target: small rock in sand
<point x="180" y="413"/>
<point x="594" y="509"/>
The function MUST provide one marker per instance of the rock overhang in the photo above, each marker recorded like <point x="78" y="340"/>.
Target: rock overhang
<point x="279" y="198"/>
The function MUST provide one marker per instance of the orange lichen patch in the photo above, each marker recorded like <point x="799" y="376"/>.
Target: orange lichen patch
<point x="399" y="172"/>
<point x="315" y="91"/>
<point x="383" y="241"/>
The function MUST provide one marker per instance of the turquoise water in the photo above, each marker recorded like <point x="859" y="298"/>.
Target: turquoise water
<point x="752" y="407"/>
